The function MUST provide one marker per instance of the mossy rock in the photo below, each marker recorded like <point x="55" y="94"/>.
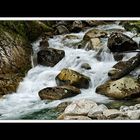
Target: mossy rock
<point x="30" y="30"/>
<point x="132" y="26"/>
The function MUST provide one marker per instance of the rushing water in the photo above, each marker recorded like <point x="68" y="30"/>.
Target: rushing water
<point x="26" y="100"/>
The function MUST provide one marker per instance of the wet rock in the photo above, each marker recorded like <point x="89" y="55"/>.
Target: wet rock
<point x="9" y="83"/>
<point x="86" y="66"/>
<point x="57" y="93"/>
<point x="91" y="40"/>
<point x="123" y="68"/>
<point x="44" y="44"/>
<point x="50" y="57"/>
<point x="70" y="37"/>
<point x="62" y="29"/>
<point x="126" y="87"/>
<point x="77" y="26"/>
<point x="71" y="77"/>
<point x="94" y="33"/>
<point x="118" y="42"/>
<point x="80" y="107"/>
<point x="93" y="44"/>
<point x="96" y="110"/>
<point x="118" y="56"/>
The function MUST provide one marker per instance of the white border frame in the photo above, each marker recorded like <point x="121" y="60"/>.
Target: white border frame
<point x="68" y="18"/>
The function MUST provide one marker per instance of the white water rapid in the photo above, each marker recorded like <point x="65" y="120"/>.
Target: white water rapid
<point x="26" y="99"/>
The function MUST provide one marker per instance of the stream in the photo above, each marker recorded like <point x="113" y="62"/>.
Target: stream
<point x="26" y="104"/>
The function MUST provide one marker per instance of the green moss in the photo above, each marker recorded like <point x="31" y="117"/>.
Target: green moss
<point x="132" y="26"/>
<point x="30" y="30"/>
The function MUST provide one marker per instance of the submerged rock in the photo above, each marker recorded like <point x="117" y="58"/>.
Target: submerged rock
<point x="71" y="77"/>
<point x="125" y="87"/>
<point x="60" y="92"/>
<point x="86" y="66"/>
<point x="119" y="42"/>
<point x="50" y="57"/>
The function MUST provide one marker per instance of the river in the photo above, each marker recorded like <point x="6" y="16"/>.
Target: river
<point x="25" y="101"/>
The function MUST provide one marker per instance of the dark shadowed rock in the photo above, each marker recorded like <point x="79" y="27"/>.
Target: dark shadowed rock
<point x="86" y="66"/>
<point x="118" y="56"/>
<point x="71" y="77"/>
<point x="60" y="92"/>
<point x="118" y="42"/>
<point x="50" y="57"/>
<point x="77" y="26"/>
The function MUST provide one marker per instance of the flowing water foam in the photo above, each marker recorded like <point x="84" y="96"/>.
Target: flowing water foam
<point x="26" y="99"/>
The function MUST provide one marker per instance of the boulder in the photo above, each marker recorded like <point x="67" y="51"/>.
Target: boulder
<point x="112" y="113"/>
<point x="123" y="68"/>
<point x="93" y="44"/>
<point x="96" y="111"/>
<point x="134" y="115"/>
<point x="119" y="42"/>
<point x="125" y="87"/>
<point x="77" y="26"/>
<point x="91" y="40"/>
<point x="94" y="33"/>
<point x="57" y="93"/>
<point x="71" y="77"/>
<point x="61" y="29"/>
<point x="50" y="57"/>
<point x="79" y="107"/>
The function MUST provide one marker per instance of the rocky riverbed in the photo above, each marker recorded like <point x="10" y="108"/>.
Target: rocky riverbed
<point x="81" y="70"/>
